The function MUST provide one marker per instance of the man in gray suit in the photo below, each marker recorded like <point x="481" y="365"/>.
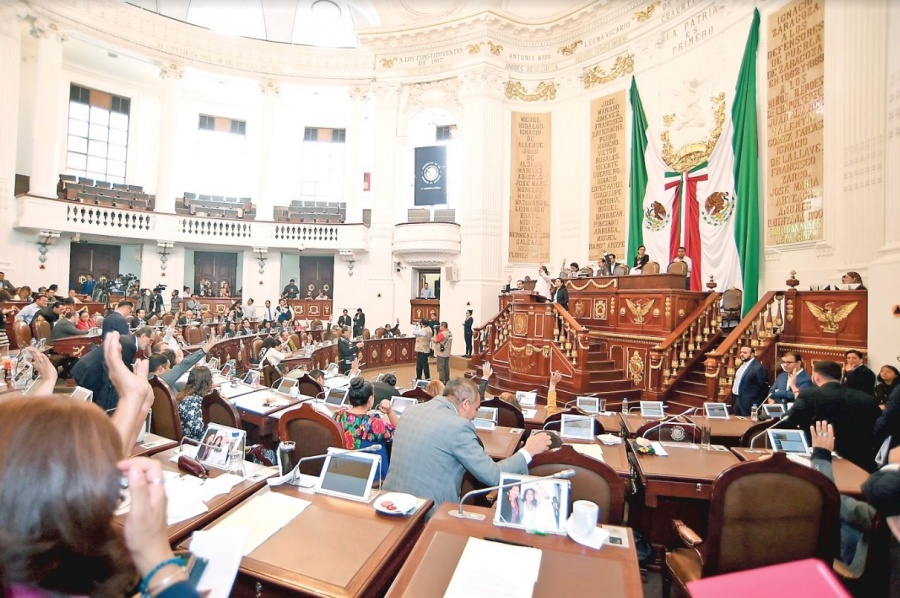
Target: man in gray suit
<point x="436" y="443"/>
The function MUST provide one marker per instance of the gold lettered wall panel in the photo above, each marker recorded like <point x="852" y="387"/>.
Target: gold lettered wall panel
<point x="796" y="123"/>
<point x="608" y="172"/>
<point x="529" y="205"/>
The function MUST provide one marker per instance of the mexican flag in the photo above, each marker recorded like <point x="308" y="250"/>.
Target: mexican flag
<point x="711" y="208"/>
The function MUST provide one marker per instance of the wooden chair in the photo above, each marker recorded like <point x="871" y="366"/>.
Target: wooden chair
<point x="554" y="422"/>
<point x="193" y="336"/>
<point x="594" y="481"/>
<point x="270" y="375"/>
<point x="650" y="268"/>
<point x="313" y="434"/>
<point x="621" y="270"/>
<point x="731" y="307"/>
<point x="165" y="421"/>
<point x="677" y="268"/>
<point x="754" y="431"/>
<point x="379" y="332"/>
<point x="748" y="528"/>
<point x="417" y="393"/>
<point x="507" y="415"/>
<point x="217" y="410"/>
<point x="308" y="387"/>
<point x="366" y="334"/>
<point x="671" y="431"/>
<point x="23" y="334"/>
<point x="41" y="328"/>
<point x="168" y="319"/>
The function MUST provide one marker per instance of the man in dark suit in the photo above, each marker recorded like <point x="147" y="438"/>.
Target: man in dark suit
<point x="437" y="444"/>
<point x="92" y="372"/>
<point x="856" y="375"/>
<point x="116" y="320"/>
<point x="359" y="322"/>
<point x="385" y="388"/>
<point x="852" y="414"/>
<point x="345" y="320"/>
<point x="751" y="382"/>
<point x="467" y="332"/>
<point x="790" y="381"/>
<point x="347" y="351"/>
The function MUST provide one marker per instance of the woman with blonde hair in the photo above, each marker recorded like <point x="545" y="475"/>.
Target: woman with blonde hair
<point x="435" y="388"/>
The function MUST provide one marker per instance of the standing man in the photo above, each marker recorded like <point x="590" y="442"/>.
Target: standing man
<point x="856" y="375"/>
<point x="423" y="334"/>
<point x="751" y="382"/>
<point x="52" y="312"/>
<point x="87" y="287"/>
<point x="92" y="371"/>
<point x="359" y="322"/>
<point x="682" y="257"/>
<point x="790" y="381"/>
<point x="852" y="413"/>
<point x="467" y="332"/>
<point x="443" y="341"/>
<point x="116" y="320"/>
<point x="291" y="291"/>
<point x="250" y="310"/>
<point x="347" y="351"/>
<point x="345" y="320"/>
<point x="426" y="292"/>
<point x="268" y="312"/>
<point x="437" y="444"/>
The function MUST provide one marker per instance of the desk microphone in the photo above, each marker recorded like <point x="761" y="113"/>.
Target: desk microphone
<point x="763" y="433"/>
<point x="293" y="475"/>
<point x="460" y="514"/>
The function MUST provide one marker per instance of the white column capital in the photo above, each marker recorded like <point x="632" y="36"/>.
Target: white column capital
<point x="359" y="92"/>
<point x="171" y="71"/>
<point x="270" y="88"/>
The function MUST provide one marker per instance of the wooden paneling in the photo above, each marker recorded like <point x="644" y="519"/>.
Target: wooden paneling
<point x="316" y="273"/>
<point x="96" y="260"/>
<point x="830" y="318"/>
<point x="430" y="309"/>
<point x="215" y="267"/>
<point x="315" y="309"/>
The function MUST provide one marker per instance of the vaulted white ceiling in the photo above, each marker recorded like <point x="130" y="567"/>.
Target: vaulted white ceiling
<point x="335" y="23"/>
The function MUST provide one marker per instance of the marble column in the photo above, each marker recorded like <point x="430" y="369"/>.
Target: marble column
<point x="355" y="139"/>
<point x="10" y="58"/>
<point x="49" y="110"/>
<point x="270" y="169"/>
<point x="168" y="161"/>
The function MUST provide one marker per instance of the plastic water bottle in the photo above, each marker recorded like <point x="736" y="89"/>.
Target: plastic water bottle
<point x="754" y="416"/>
<point x="625" y="406"/>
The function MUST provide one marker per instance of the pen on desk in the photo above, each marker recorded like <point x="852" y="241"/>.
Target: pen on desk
<point x="502" y="541"/>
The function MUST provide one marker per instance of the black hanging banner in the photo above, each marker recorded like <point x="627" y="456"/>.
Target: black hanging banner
<point x="431" y="175"/>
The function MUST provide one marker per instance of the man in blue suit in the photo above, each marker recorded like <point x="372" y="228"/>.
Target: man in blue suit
<point x="751" y="382"/>
<point x="790" y="381"/>
<point x="436" y="443"/>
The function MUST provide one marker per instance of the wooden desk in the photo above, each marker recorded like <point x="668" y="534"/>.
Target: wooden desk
<point x="256" y="407"/>
<point x="152" y="444"/>
<point x="848" y="477"/>
<point x="428" y="309"/>
<point x="536" y="422"/>
<point x="726" y="432"/>
<point x="567" y="569"/>
<point x="615" y="456"/>
<point x="335" y="547"/>
<point x="218" y="506"/>
<point x="633" y="422"/>
<point x="311" y="309"/>
<point x="77" y="346"/>
<point x="501" y="442"/>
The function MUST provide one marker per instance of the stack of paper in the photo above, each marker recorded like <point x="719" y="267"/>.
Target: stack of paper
<point x="493" y="569"/>
<point x="594" y="451"/>
<point x="262" y="516"/>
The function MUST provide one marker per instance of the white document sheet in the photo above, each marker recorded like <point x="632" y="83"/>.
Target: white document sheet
<point x="262" y="516"/>
<point x="495" y="570"/>
<point x="594" y="451"/>
<point x="529" y="413"/>
<point x="223" y="550"/>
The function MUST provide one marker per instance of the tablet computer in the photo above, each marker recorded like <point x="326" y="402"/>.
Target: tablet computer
<point x="776" y="411"/>
<point x="399" y="404"/>
<point x="227" y="369"/>
<point x="286" y="384"/>
<point x="487" y="413"/>
<point x="526" y="398"/>
<point x="579" y="427"/>
<point x="251" y="378"/>
<point x="716" y="410"/>
<point x="348" y="475"/>
<point x="788" y="441"/>
<point x="213" y="363"/>
<point x="423" y="384"/>
<point x="336" y="397"/>
<point x="331" y="370"/>
<point x="588" y="404"/>
<point x="652" y="409"/>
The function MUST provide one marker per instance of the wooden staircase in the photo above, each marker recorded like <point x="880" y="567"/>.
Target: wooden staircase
<point x="690" y="388"/>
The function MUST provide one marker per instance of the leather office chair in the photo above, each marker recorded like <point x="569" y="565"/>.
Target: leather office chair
<point x="379" y="332"/>
<point x="270" y="375"/>
<point x="316" y="325"/>
<point x="168" y="319"/>
<point x="295" y="339"/>
<point x="153" y="321"/>
<point x="507" y="415"/>
<point x="366" y="334"/>
<point x="677" y="268"/>
<point x="749" y="529"/>
<point x="193" y="336"/>
<point x="23" y="334"/>
<point x="309" y="387"/>
<point x="313" y="434"/>
<point x="98" y="320"/>
<point x="40" y="329"/>
<point x="217" y="410"/>
<point x="554" y="422"/>
<point x="587" y="271"/>
<point x="671" y="431"/>
<point x="621" y="270"/>
<point x="651" y="268"/>
<point x="255" y="348"/>
<point x="417" y="393"/>
<point x="165" y="421"/>
<point x="755" y="430"/>
<point x="594" y="481"/>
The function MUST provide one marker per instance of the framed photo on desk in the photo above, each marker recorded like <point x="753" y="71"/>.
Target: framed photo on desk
<point x="533" y="504"/>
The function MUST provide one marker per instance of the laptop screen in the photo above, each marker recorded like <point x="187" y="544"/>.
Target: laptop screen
<point x="399" y="404"/>
<point x="652" y="409"/>
<point x="588" y="404"/>
<point x="577" y="426"/>
<point x="336" y="397"/>
<point x="716" y="410"/>
<point x="349" y="475"/>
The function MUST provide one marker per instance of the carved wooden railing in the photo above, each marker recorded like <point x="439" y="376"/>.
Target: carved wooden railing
<point x="572" y="338"/>
<point x="686" y="345"/>
<point x="760" y="329"/>
<point x="488" y="337"/>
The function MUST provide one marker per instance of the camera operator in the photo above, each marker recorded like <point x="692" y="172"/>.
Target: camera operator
<point x="157" y="303"/>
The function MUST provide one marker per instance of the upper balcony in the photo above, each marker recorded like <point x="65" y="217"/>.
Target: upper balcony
<point x="425" y="244"/>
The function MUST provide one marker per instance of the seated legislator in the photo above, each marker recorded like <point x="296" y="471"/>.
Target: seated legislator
<point x="888" y="380"/>
<point x="857" y="375"/>
<point x="790" y="381"/>
<point x="363" y="424"/>
<point x="85" y="322"/>
<point x="640" y="260"/>
<point x="386" y="388"/>
<point x="437" y="443"/>
<point x="56" y="523"/>
<point x="852" y="413"/>
<point x="199" y="383"/>
<point x="67" y="327"/>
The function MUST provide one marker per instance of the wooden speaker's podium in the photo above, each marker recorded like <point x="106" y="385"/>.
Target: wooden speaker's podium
<point x="429" y="309"/>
